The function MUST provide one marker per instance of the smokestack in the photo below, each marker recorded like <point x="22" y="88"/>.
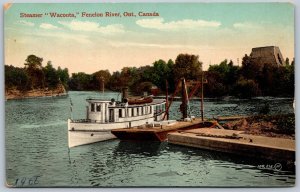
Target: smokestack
<point x="125" y="94"/>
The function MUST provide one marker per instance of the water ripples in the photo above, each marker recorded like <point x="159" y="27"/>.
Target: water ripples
<point x="36" y="144"/>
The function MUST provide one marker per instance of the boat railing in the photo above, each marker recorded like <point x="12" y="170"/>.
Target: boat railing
<point x="157" y="113"/>
<point x="81" y="120"/>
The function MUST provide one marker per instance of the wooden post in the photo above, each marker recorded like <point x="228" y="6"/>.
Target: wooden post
<point x="202" y="111"/>
<point x="183" y="106"/>
<point x="167" y="100"/>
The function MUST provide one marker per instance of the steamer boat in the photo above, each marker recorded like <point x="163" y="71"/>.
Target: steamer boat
<point x="103" y="116"/>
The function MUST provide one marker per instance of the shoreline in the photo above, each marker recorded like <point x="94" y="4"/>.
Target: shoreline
<point x="34" y="97"/>
<point x="14" y="94"/>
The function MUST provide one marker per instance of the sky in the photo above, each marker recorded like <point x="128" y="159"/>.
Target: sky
<point x="214" y="31"/>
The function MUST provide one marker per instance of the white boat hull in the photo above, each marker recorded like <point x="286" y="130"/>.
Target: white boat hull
<point x="82" y="133"/>
<point x="77" y="138"/>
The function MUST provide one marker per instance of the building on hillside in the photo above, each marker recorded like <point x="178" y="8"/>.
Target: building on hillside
<point x="269" y="55"/>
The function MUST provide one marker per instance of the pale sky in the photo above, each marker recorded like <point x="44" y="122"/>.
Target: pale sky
<point x="214" y="31"/>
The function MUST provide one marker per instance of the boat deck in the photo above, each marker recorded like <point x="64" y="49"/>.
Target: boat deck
<point x="158" y="133"/>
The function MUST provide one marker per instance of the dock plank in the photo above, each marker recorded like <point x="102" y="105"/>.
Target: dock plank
<point x="247" y="145"/>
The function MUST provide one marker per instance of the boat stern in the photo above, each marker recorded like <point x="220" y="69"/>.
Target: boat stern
<point x="86" y="133"/>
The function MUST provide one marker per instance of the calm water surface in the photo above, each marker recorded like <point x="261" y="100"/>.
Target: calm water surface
<point x="37" y="153"/>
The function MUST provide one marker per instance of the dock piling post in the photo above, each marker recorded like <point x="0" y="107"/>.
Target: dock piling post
<point x="202" y="111"/>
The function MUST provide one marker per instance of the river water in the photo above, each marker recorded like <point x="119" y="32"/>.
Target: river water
<point x="37" y="153"/>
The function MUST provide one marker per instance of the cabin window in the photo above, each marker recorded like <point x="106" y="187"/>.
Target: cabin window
<point x="150" y="109"/>
<point x="111" y="115"/>
<point x="142" y="110"/>
<point x="98" y="107"/>
<point x="132" y="112"/>
<point x="92" y="107"/>
<point x="127" y="110"/>
<point x="137" y="111"/>
<point x="120" y="113"/>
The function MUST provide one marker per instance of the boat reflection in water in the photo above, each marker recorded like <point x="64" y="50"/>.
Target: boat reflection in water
<point x="145" y="148"/>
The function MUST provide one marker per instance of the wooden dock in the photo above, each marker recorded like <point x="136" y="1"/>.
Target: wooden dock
<point x="231" y="141"/>
<point x="158" y="133"/>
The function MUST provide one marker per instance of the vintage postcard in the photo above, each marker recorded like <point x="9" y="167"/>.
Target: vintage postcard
<point x="149" y="95"/>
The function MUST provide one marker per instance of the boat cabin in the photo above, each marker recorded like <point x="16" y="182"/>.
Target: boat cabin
<point x="100" y="111"/>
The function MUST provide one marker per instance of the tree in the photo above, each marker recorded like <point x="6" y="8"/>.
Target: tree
<point x="215" y="85"/>
<point x="251" y="70"/>
<point x="51" y="77"/>
<point x="161" y="72"/>
<point x="170" y="78"/>
<point x="187" y="66"/>
<point x="227" y="74"/>
<point x="144" y="87"/>
<point x="100" y="77"/>
<point x="63" y="75"/>
<point x="287" y="61"/>
<point x="34" y="70"/>
<point x="16" y="77"/>
<point x="115" y="81"/>
<point x="33" y="62"/>
<point x="246" y="88"/>
<point x="81" y="81"/>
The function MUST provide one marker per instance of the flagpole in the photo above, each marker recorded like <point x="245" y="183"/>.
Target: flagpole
<point x="71" y="108"/>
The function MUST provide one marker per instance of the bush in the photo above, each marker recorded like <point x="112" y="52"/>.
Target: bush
<point x="246" y="88"/>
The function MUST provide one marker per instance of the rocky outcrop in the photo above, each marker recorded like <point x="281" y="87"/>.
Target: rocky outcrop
<point x="18" y="94"/>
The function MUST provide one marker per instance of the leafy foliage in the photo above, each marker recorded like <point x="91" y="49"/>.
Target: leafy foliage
<point x="246" y="88"/>
<point x="249" y="80"/>
<point x="63" y="75"/>
<point x="225" y="78"/>
<point x="51" y="75"/>
<point x="187" y="66"/>
<point x="34" y="75"/>
<point x="80" y="81"/>
<point x="16" y="77"/>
